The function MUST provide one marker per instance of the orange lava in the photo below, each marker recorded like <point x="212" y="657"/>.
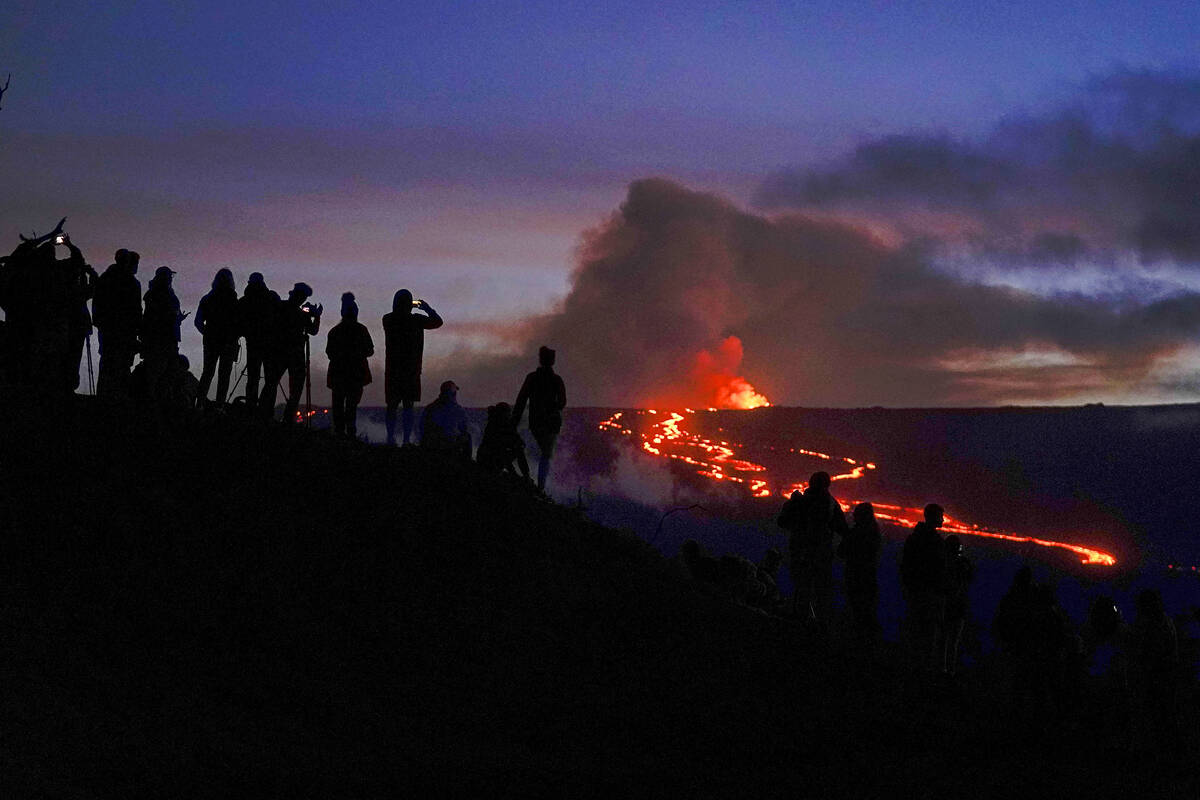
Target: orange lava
<point x="718" y="461"/>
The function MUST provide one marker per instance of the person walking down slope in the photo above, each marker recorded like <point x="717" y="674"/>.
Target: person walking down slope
<point x="348" y="346"/>
<point x="216" y="319"/>
<point x="404" y="346"/>
<point x="117" y="315"/>
<point x="255" y="320"/>
<point x="546" y="395"/>
<point x="161" y="319"/>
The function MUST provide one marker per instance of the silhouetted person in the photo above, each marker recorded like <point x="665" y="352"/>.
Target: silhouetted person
<point x="1153" y="674"/>
<point x="922" y="570"/>
<point x="348" y="346"/>
<point x="814" y="517"/>
<point x="768" y="576"/>
<point x="958" y="576"/>
<point x="161" y="318"/>
<point x="444" y="424"/>
<point x="546" y="395"/>
<point x="501" y="445"/>
<point x="117" y="314"/>
<point x="1045" y="684"/>
<point x="256" y="321"/>
<point x="36" y="302"/>
<point x="860" y="549"/>
<point x="180" y="388"/>
<point x="78" y="281"/>
<point x="404" y="346"/>
<point x="1108" y="639"/>
<point x="217" y="321"/>
<point x="293" y="322"/>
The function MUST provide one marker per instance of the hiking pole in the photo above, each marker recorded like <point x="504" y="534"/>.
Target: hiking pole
<point x="91" y="372"/>
<point x="307" y="386"/>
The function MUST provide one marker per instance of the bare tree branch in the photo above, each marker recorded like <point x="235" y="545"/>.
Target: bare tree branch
<point x="5" y="88"/>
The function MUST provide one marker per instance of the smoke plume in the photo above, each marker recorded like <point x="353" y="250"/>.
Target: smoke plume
<point x="881" y="280"/>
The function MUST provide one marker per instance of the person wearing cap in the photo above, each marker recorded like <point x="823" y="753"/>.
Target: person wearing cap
<point x="255" y="316"/>
<point x="160" y="329"/>
<point x="546" y="395"/>
<point x="348" y="346"/>
<point x="404" y="343"/>
<point x="117" y="315"/>
<point x="444" y="424"/>
<point x="294" y="321"/>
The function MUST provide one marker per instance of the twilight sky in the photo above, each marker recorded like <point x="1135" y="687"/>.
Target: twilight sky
<point x="845" y="203"/>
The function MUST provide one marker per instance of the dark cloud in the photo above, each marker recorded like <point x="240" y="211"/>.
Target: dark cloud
<point x="1118" y="169"/>
<point x="827" y="315"/>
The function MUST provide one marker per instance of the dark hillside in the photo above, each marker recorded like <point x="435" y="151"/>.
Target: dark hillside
<point x="206" y="607"/>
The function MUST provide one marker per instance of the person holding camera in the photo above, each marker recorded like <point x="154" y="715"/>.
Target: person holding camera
<point x="294" y="321"/>
<point x="404" y="345"/>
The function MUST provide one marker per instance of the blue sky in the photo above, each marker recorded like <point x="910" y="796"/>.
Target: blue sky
<point x="462" y="149"/>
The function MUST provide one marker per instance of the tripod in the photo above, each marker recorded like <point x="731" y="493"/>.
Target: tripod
<point x="91" y="372"/>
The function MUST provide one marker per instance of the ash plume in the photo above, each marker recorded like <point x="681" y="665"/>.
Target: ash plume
<point x="825" y="311"/>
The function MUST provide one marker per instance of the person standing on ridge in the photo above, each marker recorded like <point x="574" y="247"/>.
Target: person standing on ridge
<point x="78" y="285"/>
<point x="216" y="319"/>
<point x="546" y="395"/>
<point x="404" y="346"/>
<point x="294" y="321"/>
<point x="813" y="518"/>
<point x="860" y="549"/>
<point x="255" y="317"/>
<point x="117" y="314"/>
<point x="922" y="576"/>
<point x="161" y="318"/>
<point x="348" y="346"/>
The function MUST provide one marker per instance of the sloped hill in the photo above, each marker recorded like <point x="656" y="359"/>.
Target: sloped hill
<point x="203" y="607"/>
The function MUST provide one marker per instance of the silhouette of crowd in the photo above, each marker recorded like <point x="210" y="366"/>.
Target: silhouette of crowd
<point x="48" y="325"/>
<point x="1127" y="681"/>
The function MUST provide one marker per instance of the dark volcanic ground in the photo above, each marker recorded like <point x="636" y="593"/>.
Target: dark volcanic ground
<point x="202" y="607"/>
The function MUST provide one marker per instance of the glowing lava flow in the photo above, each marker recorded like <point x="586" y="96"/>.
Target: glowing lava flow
<point x="717" y="461"/>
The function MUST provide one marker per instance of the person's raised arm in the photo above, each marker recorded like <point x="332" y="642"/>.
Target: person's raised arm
<point x="432" y="319"/>
<point x="199" y="321"/>
<point x="37" y="240"/>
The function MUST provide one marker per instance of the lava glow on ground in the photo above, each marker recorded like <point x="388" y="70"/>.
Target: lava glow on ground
<point x="667" y="437"/>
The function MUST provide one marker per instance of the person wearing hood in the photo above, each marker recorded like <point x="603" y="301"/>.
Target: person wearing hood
<point x="404" y="345"/>
<point x="117" y="315"/>
<point x="159" y="332"/>
<point x="546" y="395"/>
<point x="348" y="346"/>
<point x="216" y="319"/>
